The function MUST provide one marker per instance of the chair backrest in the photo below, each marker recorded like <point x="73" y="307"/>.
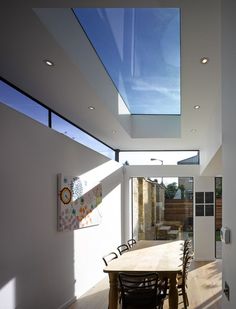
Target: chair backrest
<point x="187" y="244"/>
<point x="122" y="248"/>
<point x="186" y="266"/>
<point x="139" y="290"/>
<point x="131" y="242"/>
<point x="109" y="257"/>
<point x="187" y="250"/>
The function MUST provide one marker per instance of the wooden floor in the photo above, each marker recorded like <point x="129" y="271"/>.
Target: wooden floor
<point x="204" y="289"/>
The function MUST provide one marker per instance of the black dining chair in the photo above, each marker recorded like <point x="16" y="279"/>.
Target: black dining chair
<point x="131" y="242"/>
<point x="187" y="250"/>
<point x="109" y="257"/>
<point x="182" y="281"/>
<point x="122" y="248"/>
<point x="187" y="244"/>
<point x="140" y="291"/>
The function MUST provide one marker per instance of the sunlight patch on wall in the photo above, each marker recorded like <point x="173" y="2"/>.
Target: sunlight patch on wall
<point x="7" y="295"/>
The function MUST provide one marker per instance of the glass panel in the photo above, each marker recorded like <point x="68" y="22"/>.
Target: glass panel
<point x="159" y="157"/>
<point x="18" y="101"/>
<point x="218" y="215"/>
<point x="140" y="50"/>
<point x="80" y="136"/>
<point x="200" y="210"/>
<point x="199" y="197"/>
<point x="209" y="197"/>
<point x="163" y="210"/>
<point x="209" y="210"/>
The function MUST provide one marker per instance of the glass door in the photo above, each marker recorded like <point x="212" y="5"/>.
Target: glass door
<point x="162" y="208"/>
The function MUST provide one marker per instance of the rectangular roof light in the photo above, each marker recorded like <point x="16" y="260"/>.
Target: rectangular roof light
<point x="140" y="50"/>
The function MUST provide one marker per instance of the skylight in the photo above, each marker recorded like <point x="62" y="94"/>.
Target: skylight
<point x="140" y="50"/>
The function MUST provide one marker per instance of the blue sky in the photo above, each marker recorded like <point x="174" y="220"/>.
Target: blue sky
<point x="29" y="107"/>
<point x="140" y="49"/>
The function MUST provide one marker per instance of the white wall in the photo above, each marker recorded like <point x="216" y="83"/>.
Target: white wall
<point x="162" y="170"/>
<point x="229" y="145"/>
<point x="201" y="37"/>
<point x="204" y="226"/>
<point x="40" y="267"/>
<point x="214" y="168"/>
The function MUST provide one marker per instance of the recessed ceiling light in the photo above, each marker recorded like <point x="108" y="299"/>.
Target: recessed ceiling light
<point x="204" y="60"/>
<point x="48" y="62"/>
<point x="196" y="106"/>
<point x="91" y="108"/>
<point x="193" y="130"/>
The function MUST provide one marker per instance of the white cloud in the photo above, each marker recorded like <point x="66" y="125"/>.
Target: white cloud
<point x="141" y="85"/>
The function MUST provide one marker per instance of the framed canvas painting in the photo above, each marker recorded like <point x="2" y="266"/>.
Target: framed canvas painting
<point x="77" y="204"/>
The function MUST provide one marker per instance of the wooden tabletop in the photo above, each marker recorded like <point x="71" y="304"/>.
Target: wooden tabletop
<point x="149" y="255"/>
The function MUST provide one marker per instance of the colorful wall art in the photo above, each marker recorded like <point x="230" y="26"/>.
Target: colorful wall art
<point x="77" y="204"/>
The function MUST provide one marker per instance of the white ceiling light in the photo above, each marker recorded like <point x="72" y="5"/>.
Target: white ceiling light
<point x="91" y="108"/>
<point x="48" y="62"/>
<point x="193" y="131"/>
<point x="204" y="60"/>
<point x="196" y="106"/>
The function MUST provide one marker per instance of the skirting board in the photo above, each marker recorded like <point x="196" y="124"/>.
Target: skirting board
<point x="67" y="303"/>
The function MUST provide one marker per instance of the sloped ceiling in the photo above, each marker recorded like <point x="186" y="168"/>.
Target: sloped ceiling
<point x="78" y="79"/>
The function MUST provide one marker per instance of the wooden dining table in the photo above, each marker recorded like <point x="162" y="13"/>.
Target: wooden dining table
<point x="163" y="257"/>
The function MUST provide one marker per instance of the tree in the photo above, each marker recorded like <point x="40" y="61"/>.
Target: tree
<point x="171" y="190"/>
<point x="182" y="189"/>
<point x="218" y="188"/>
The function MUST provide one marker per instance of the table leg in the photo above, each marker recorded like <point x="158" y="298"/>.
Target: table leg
<point x="113" y="292"/>
<point x="173" y="292"/>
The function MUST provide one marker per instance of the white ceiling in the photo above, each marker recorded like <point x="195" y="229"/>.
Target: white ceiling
<point x="78" y="80"/>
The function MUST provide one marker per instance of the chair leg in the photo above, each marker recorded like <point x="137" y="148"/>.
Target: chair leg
<point x="185" y="299"/>
<point x="161" y="304"/>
